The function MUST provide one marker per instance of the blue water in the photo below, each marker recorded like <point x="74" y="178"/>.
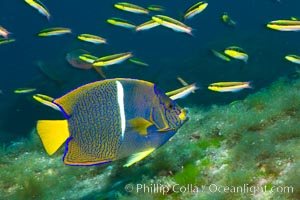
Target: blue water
<point x="170" y="54"/>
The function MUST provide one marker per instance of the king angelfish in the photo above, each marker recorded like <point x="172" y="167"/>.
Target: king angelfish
<point x="111" y="119"/>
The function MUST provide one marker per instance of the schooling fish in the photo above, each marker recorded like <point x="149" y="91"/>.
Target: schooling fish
<point x="182" y="92"/>
<point x="39" y="6"/>
<point x="111" y="119"/>
<point x="237" y="53"/>
<point x="121" y="22"/>
<point x="54" y="31"/>
<point x="131" y="8"/>
<point x="195" y="9"/>
<point x="4" y="32"/>
<point x="229" y="86"/>
<point x="293" y="58"/>
<point x="284" y="25"/>
<point x="92" y="38"/>
<point x="147" y="25"/>
<point x="172" y="24"/>
<point x="227" y="19"/>
<point x="112" y="59"/>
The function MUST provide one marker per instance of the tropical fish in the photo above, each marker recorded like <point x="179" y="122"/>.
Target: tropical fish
<point x="155" y="8"/>
<point x="4" y="32"/>
<point x="138" y="62"/>
<point x="120" y="22"/>
<point x="237" y="53"/>
<point x="220" y="55"/>
<point x="131" y="8"/>
<point x="183" y="82"/>
<point x="182" y="92"/>
<point x="81" y="59"/>
<point x="24" y="90"/>
<point x="46" y="100"/>
<point x="39" y="6"/>
<point x="54" y="31"/>
<point x="195" y="9"/>
<point x="172" y="24"/>
<point x="293" y="58"/>
<point x="92" y="38"/>
<point x="147" y="25"/>
<point x="229" y="86"/>
<point x="4" y="41"/>
<point x="227" y="19"/>
<point x="112" y="59"/>
<point x="88" y="58"/>
<point x="284" y="25"/>
<point x="111" y="119"/>
<point x="294" y="18"/>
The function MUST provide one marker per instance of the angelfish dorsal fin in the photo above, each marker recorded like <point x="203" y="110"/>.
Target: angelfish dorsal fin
<point x="137" y="157"/>
<point x="67" y="101"/>
<point x="140" y="125"/>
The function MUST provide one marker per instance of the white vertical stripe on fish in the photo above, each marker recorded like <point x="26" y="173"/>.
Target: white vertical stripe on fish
<point x="120" y="92"/>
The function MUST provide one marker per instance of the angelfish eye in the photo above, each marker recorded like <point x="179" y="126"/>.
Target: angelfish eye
<point x="170" y="106"/>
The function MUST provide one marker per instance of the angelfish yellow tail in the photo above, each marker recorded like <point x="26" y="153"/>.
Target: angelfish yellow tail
<point x="53" y="134"/>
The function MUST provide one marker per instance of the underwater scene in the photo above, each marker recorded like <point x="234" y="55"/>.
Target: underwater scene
<point x="149" y="99"/>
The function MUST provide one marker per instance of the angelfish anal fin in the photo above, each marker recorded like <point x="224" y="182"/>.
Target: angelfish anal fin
<point x="137" y="157"/>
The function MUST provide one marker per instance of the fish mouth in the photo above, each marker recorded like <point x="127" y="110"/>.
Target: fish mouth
<point x="183" y="115"/>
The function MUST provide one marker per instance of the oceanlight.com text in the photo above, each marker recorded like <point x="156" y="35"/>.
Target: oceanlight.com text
<point x="212" y="188"/>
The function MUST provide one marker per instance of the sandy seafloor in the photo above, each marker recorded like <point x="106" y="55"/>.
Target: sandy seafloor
<point x="240" y="145"/>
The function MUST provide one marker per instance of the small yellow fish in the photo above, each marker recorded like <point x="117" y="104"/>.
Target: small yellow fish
<point x="24" y="90"/>
<point x="172" y="24"/>
<point x="131" y="8"/>
<point x="156" y="8"/>
<point x="54" y="31"/>
<point x="4" y="41"/>
<point x="220" y="55"/>
<point x="112" y="59"/>
<point x="182" y="92"/>
<point x="294" y="18"/>
<point x="183" y="82"/>
<point x="4" y="32"/>
<point x="227" y="19"/>
<point x="293" y="58"/>
<point x="39" y="6"/>
<point x="237" y="53"/>
<point x="120" y="22"/>
<point x="92" y="38"/>
<point x="284" y="25"/>
<point x="138" y="62"/>
<point x="88" y="58"/>
<point x="147" y="25"/>
<point x="229" y="86"/>
<point x="46" y="100"/>
<point x="195" y="9"/>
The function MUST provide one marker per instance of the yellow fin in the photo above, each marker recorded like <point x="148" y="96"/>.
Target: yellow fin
<point x="53" y="134"/>
<point x="140" y="125"/>
<point x="137" y="157"/>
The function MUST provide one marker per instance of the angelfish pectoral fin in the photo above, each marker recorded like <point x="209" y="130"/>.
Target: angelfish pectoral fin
<point x="53" y="134"/>
<point x="140" y="125"/>
<point x="137" y="157"/>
